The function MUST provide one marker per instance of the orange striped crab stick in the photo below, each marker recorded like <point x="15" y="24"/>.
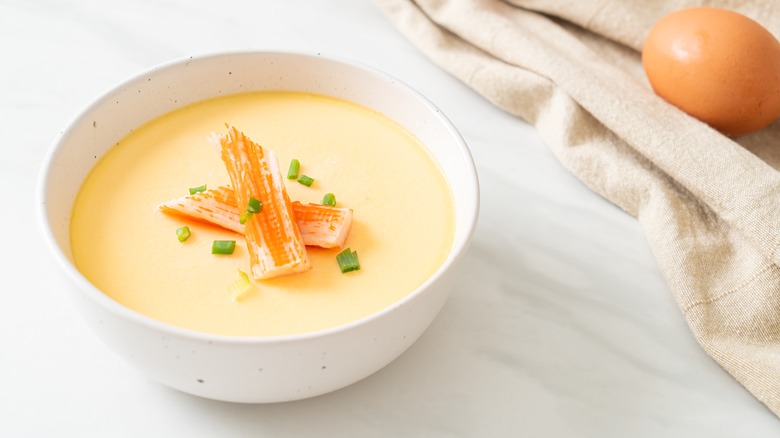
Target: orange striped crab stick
<point x="320" y="225"/>
<point x="273" y="240"/>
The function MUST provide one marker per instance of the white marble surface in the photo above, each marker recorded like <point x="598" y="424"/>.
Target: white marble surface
<point x="561" y="325"/>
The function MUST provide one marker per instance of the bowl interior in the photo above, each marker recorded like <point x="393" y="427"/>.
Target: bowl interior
<point x="171" y="86"/>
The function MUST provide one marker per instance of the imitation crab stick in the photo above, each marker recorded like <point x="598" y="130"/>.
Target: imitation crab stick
<point x="319" y="225"/>
<point x="272" y="238"/>
<point x="217" y="206"/>
<point x="323" y="225"/>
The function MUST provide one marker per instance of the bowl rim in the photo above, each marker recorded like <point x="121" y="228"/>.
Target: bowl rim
<point x="91" y="292"/>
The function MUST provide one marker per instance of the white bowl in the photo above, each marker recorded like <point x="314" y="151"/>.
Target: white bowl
<point x="261" y="369"/>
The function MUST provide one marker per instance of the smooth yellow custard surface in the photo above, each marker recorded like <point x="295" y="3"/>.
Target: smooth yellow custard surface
<point x="402" y="228"/>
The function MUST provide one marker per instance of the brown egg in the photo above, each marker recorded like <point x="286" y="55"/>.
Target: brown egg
<point x="718" y="66"/>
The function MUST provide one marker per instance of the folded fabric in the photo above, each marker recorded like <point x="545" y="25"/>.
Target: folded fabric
<point x="709" y="205"/>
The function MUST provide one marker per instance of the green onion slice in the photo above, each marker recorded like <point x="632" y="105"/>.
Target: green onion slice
<point x="295" y="167"/>
<point x="348" y="260"/>
<point x="305" y="180"/>
<point x="223" y="247"/>
<point x="239" y="287"/>
<point x="254" y="206"/>
<point x="329" y="199"/>
<point x="183" y="233"/>
<point x="198" y="189"/>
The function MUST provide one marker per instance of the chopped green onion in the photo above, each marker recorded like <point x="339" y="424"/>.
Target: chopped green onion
<point x="194" y="190"/>
<point x="295" y="167"/>
<point x="239" y="287"/>
<point x="329" y="199"/>
<point x="183" y="233"/>
<point x="223" y="247"/>
<point x="305" y="180"/>
<point x="254" y="206"/>
<point x="348" y="260"/>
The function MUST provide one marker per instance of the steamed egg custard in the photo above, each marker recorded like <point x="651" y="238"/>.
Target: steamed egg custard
<point x="402" y="227"/>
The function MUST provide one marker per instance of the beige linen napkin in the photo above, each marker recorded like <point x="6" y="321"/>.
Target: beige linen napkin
<point x="709" y="205"/>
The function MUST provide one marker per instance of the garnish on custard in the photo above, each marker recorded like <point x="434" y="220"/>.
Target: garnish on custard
<point x="348" y="261"/>
<point x="198" y="189"/>
<point x="183" y="233"/>
<point x="319" y="225"/>
<point x="329" y="199"/>
<point x="254" y="206"/>
<point x="295" y="167"/>
<point x="223" y="247"/>
<point x="276" y="239"/>
<point x="239" y="287"/>
<point x="216" y="206"/>
<point x="273" y="240"/>
<point x="323" y="225"/>
<point x="306" y="180"/>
